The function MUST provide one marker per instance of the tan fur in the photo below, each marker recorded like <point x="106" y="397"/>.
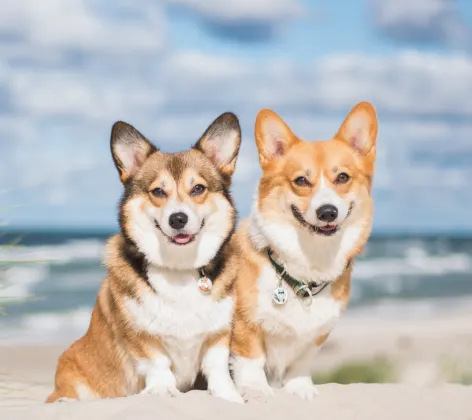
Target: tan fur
<point x="103" y="359"/>
<point x="341" y="288"/>
<point x="282" y="161"/>
<point x="321" y="339"/>
<point x="104" y="362"/>
<point x="247" y="336"/>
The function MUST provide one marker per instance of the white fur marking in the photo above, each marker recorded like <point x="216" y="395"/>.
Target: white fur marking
<point x="215" y="366"/>
<point x="84" y="393"/>
<point x="159" y="378"/>
<point x="297" y="379"/>
<point x="326" y="195"/>
<point x="291" y="330"/>
<point x="193" y="224"/>
<point x="182" y="316"/>
<point x="249" y="375"/>
<point x="302" y="387"/>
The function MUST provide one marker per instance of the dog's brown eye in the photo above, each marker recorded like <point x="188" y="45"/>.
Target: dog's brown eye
<point x="342" y="178"/>
<point x="197" y="189"/>
<point x="158" y="192"/>
<point x="301" y="181"/>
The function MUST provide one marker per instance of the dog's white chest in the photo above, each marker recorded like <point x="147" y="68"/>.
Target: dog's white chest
<point x="182" y="316"/>
<point x="292" y="328"/>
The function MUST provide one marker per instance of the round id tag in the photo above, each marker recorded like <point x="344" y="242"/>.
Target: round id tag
<point x="204" y="284"/>
<point x="280" y="296"/>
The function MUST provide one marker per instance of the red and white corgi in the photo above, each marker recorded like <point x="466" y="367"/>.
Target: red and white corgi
<point x="163" y="313"/>
<point x="312" y="215"/>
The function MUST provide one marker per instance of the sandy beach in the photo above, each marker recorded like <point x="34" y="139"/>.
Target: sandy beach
<point x="339" y="402"/>
<point x="429" y="360"/>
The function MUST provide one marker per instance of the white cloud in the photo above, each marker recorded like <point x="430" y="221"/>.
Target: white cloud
<point x="408" y="82"/>
<point x="97" y="96"/>
<point x="78" y="25"/>
<point x="432" y="21"/>
<point x="419" y="12"/>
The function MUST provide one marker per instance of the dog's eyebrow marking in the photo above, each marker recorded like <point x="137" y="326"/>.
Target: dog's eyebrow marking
<point x="163" y="183"/>
<point x="307" y="172"/>
<point x="335" y="169"/>
<point x="192" y="180"/>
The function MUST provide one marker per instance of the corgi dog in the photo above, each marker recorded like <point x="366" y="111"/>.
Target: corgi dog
<point x="163" y="312"/>
<point x="311" y="217"/>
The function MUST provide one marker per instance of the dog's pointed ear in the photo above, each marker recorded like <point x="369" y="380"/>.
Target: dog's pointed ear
<point x="221" y="141"/>
<point x="273" y="136"/>
<point x="360" y="128"/>
<point x="129" y="149"/>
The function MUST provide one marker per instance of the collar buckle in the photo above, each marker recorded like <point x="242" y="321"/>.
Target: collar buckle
<point x="307" y="296"/>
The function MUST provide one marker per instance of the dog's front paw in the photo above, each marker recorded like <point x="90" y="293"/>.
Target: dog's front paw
<point x="301" y="387"/>
<point x="261" y="392"/>
<point x="250" y="378"/>
<point x="161" y="391"/>
<point x="160" y="382"/>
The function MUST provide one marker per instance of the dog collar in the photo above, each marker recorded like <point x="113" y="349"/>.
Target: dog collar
<point x="301" y="289"/>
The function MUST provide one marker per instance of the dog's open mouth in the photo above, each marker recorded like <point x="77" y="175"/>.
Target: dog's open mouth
<point x="326" y="230"/>
<point x="182" y="239"/>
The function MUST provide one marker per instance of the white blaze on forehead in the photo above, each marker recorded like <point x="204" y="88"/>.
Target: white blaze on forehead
<point x="324" y="196"/>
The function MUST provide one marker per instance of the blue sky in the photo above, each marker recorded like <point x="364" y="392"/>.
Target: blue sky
<point x="68" y="70"/>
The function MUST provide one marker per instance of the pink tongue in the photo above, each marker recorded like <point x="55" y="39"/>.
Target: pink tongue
<point x="182" y="239"/>
<point x="327" y="228"/>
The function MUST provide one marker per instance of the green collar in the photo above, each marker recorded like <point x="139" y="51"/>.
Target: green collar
<point x="300" y="288"/>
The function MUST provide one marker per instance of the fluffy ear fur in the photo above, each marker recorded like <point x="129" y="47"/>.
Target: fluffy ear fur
<point x="359" y="129"/>
<point x="273" y="136"/>
<point x="221" y="141"/>
<point x="129" y="149"/>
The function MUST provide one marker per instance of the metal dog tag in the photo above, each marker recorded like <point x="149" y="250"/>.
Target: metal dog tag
<point x="280" y="295"/>
<point x="204" y="284"/>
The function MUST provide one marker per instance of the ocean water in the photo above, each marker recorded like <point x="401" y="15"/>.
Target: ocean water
<point x="50" y="294"/>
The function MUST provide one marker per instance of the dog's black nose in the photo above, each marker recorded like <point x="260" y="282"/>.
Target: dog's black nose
<point x="178" y="220"/>
<point x="327" y="213"/>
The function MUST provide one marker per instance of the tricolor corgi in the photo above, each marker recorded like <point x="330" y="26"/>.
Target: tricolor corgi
<point x="311" y="217"/>
<point x="163" y="313"/>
